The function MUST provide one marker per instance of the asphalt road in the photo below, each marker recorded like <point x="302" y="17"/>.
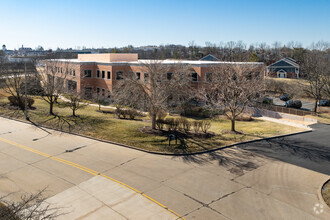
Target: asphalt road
<point x="275" y="179"/>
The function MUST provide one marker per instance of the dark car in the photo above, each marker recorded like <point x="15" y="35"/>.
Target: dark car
<point x="285" y="97"/>
<point x="293" y="104"/>
<point x="324" y="103"/>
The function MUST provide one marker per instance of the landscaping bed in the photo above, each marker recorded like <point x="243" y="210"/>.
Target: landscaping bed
<point x="107" y="126"/>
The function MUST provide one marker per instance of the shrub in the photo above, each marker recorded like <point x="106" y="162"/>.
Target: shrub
<point x="275" y="86"/>
<point x="172" y="124"/>
<point x="124" y="113"/>
<point x="20" y="102"/>
<point x="293" y="104"/>
<point x="200" y="112"/>
<point x="160" y="124"/>
<point x="267" y="100"/>
<point x="184" y="124"/>
<point x="169" y="123"/>
<point x="205" y="126"/>
<point x="244" y="117"/>
<point x="197" y="126"/>
<point x="161" y="114"/>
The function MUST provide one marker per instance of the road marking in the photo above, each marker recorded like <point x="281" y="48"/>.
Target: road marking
<point x="93" y="172"/>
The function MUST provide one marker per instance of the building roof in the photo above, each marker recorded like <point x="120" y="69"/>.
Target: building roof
<point x="288" y="60"/>
<point x="167" y="62"/>
<point x="209" y="57"/>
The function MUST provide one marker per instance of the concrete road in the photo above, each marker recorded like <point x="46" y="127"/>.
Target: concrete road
<point x="278" y="179"/>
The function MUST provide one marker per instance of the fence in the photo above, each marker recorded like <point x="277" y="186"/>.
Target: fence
<point x="282" y="109"/>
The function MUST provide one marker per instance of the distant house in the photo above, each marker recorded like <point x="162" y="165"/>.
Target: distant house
<point x="209" y="58"/>
<point x="284" y="68"/>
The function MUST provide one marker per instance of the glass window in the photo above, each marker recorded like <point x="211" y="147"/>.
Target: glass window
<point x="146" y="77"/>
<point x="88" y="92"/>
<point x="169" y="76"/>
<point x="108" y="75"/>
<point x="103" y="74"/>
<point x="138" y="75"/>
<point x="74" y="73"/>
<point x="103" y="92"/>
<point x="98" y="91"/>
<point x="119" y="75"/>
<point x="194" y="77"/>
<point x="98" y="73"/>
<point x="88" y="73"/>
<point x="257" y="74"/>
<point x="208" y="77"/>
<point x="249" y="76"/>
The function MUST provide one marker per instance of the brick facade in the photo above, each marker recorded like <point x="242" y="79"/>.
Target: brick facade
<point x="125" y="63"/>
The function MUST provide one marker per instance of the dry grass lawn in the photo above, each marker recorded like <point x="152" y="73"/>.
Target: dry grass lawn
<point x="105" y="126"/>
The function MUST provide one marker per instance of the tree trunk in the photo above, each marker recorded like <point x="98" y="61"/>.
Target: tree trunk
<point x="315" y="106"/>
<point x="233" y="124"/>
<point x="51" y="108"/>
<point x="74" y="112"/>
<point x="153" y="121"/>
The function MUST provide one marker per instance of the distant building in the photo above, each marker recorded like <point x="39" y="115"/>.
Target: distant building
<point x="284" y="68"/>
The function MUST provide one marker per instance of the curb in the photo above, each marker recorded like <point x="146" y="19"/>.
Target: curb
<point x="319" y="193"/>
<point x="156" y="152"/>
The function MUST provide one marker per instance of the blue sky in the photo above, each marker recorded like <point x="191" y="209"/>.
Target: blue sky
<point x="110" y="23"/>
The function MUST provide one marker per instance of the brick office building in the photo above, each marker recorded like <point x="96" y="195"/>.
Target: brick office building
<point x="98" y="73"/>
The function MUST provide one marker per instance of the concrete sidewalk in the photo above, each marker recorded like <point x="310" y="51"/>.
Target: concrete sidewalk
<point x="99" y="198"/>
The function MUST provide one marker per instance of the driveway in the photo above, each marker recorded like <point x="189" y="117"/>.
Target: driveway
<point x="277" y="179"/>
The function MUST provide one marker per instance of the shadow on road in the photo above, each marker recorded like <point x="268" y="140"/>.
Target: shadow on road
<point x="309" y="150"/>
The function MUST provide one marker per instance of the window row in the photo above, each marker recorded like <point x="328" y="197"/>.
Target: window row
<point x="99" y="74"/>
<point x="71" y="72"/>
<point x="169" y="75"/>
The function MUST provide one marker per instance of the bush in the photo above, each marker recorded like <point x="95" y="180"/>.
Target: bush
<point x="267" y="100"/>
<point x="205" y="126"/>
<point x="160" y="124"/>
<point x="20" y="102"/>
<point x="200" y="112"/>
<point x="285" y="97"/>
<point x="197" y="126"/>
<point x="161" y="115"/>
<point x="244" y="117"/>
<point x="293" y="104"/>
<point x="124" y="113"/>
<point x="275" y="86"/>
<point x="184" y="124"/>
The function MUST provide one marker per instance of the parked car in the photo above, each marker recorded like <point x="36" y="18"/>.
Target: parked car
<point x="293" y="104"/>
<point x="285" y="97"/>
<point x="324" y="103"/>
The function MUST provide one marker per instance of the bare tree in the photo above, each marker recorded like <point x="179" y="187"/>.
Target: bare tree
<point x="14" y="80"/>
<point x="32" y="207"/>
<point x="75" y="101"/>
<point x="315" y="69"/>
<point x="53" y="80"/>
<point x="233" y="87"/>
<point x="161" y="86"/>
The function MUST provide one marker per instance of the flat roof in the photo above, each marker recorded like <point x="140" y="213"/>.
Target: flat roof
<point x="168" y="61"/>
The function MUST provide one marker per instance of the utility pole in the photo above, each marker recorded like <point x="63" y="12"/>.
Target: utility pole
<point x="26" y="98"/>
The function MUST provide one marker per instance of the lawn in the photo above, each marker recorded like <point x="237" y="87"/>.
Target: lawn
<point x="105" y="126"/>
